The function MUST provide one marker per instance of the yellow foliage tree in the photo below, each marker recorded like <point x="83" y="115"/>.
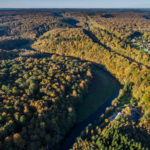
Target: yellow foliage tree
<point x="17" y="139"/>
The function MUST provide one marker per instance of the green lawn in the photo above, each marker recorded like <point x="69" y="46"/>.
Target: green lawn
<point x="93" y="24"/>
<point x="100" y="90"/>
<point x="124" y="100"/>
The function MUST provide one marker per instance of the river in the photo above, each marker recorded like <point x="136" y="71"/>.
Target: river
<point x="70" y="138"/>
<point x="80" y="126"/>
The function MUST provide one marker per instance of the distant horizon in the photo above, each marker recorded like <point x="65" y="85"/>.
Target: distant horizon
<point x="74" y="8"/>
<point x="78" y="4"/>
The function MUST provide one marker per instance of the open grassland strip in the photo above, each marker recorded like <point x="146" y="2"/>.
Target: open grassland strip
<point x="100" y="90"/>
<point x="103" y="28"/>
<point x="125" y="100"/>
<point x="93" y="24"/>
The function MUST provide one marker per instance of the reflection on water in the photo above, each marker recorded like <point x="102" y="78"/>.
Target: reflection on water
<point x="80" y="126"/>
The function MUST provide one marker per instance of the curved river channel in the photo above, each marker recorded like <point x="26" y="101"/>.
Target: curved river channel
<point x="80" y="126"/>
<point x="70" y="138"/>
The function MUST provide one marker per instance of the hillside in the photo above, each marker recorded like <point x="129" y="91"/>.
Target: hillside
<point x="123" y="68"/>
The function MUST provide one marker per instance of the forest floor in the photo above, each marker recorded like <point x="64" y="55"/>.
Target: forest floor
<point x="100" y="90"/>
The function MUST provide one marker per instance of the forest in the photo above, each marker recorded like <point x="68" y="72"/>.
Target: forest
<point x="38" y="99"/>
<point x="40" y="93"/>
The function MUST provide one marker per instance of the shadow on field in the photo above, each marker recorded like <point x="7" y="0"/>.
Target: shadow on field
<point x="13" y="43"/>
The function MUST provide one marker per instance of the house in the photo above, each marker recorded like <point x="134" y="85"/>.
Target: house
<point x="138" y="42"/>
<point x="133" y="117"/>
<point x="145" y="49"/>
<point x="119" y="114"/>
<point x="133" y="40"/>
<point x="148" y="44"/>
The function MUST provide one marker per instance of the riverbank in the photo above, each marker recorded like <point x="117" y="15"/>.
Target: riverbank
<point x="100" y="89"/>
<point x="80" y="126"/>
<point x="92" y="117"/>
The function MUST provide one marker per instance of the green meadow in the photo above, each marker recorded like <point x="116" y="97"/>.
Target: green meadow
<point x="100" y="90"/>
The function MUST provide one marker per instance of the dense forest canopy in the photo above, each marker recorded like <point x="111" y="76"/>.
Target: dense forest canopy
<point x="38" y="98"/>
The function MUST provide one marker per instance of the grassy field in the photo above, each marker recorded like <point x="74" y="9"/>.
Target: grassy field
<point x="100" y="91"/>
<point x="125" y="100"/>
<point x="93" y="24"/>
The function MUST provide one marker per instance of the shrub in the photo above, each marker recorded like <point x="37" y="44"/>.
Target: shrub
<point x="15" y="90"/>
<point x="17" y="139"/>
<point x="17" y="102"/>
<point x="121" y="93"/>
<point x="106" y="120"/>
<point x="22" y="119"/>
<point x="7" y="140"/>
<point x="89" y="74"/>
